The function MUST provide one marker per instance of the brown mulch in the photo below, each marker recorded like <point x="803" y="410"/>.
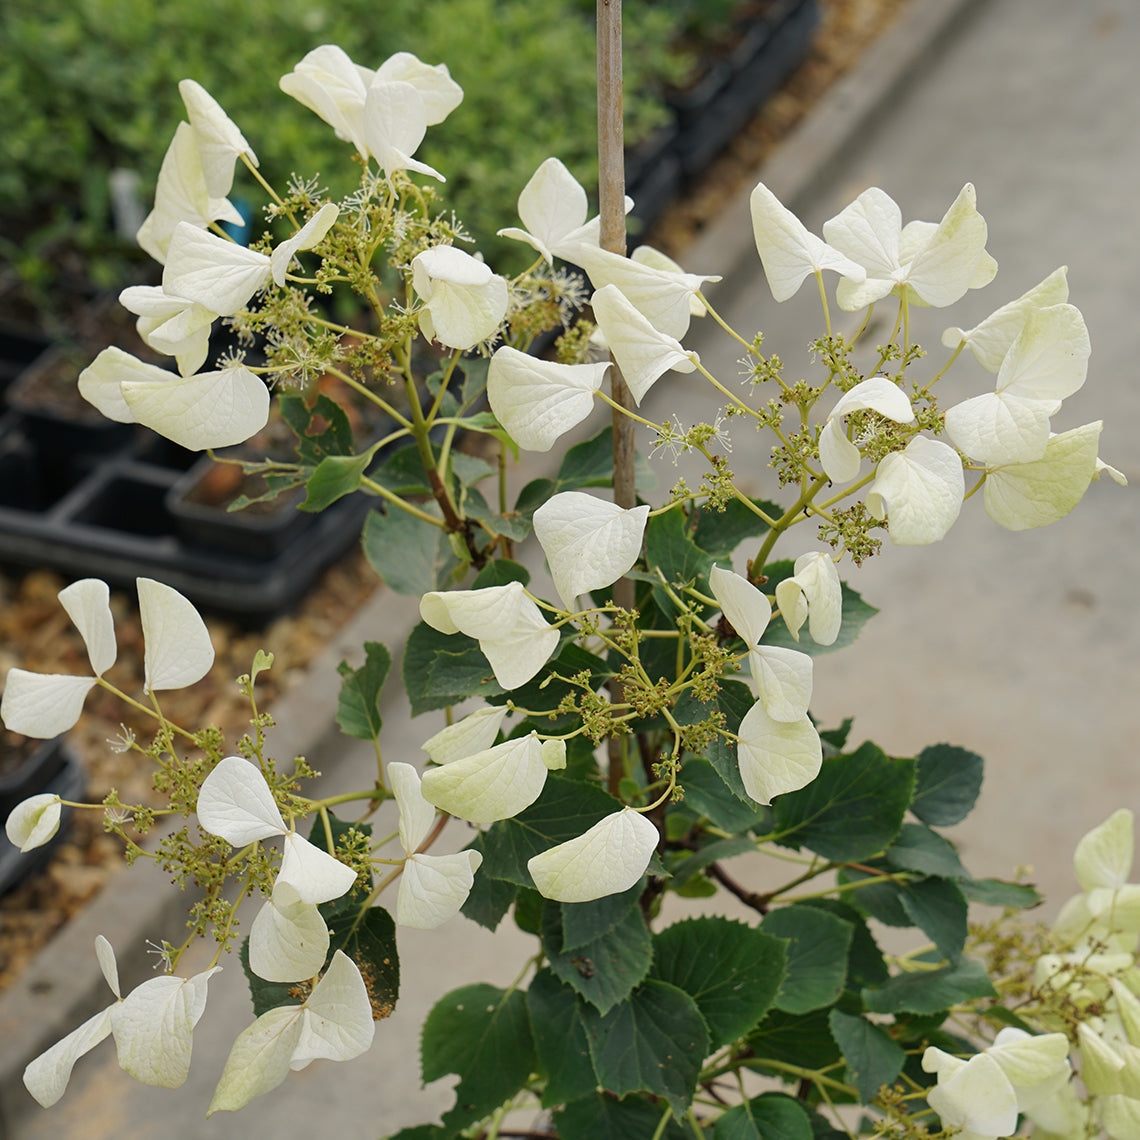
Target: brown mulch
<point x="35" y="633"/>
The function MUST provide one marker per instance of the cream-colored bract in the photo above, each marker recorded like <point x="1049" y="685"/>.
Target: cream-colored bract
<point x="839" y="457"/>
<point x="334" y="1022"/>
<point x="219" y="141"/>
<point x="432" y="887"/>
<point x="537" y="401"/>
<point x="153" y="1027"/>
<point x="776" y="756"/>
<point x="589" y="542"/>
<point x="177" y="652"/>
<point x="815" y="592"/>
<point x="919" y="491"/>
<point x="32" y="822"/>
<point x="464" y="302"/>
<point x="605" y="860"/>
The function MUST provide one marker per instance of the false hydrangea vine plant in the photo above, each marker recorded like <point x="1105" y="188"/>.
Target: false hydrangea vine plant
<point x="599" y="757"/>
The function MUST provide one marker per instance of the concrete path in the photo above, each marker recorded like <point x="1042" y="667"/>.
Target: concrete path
<point x="1025" y="648"/>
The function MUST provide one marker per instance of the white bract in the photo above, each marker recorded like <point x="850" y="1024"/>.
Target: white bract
<point x="218" y="139"/>
<point x="220" y="275"/>
<point x="153" y="1027"/>
<point x="537" y="401"/>
<point x="172" y="325"/>
<point x="642" y="353"/>
<point x="934" y="264"/>
<point x="783" y="677"/>
<point x="383" y="113"/>
<point x="1019" y="496"/>
<point x="464" y="302"/>
<point x="776" y="756"/>
<point x="309" y="236"/>
<point x="919" y="491"/>
<point x="473" y="733"/>
<point x="510" y="628"/>
<point x="34" y="821"/>
<point x="788" y="250"/>
<point x="497" y="782"/>
<point x="207" y="409"/>
<point x="181" y="195"/>
<point x="1046" y="363"/>
<point x="334" y="1022"/>
<point x="838" y="455"/>
<point x="432" y="887"/>
<point x="178" y="652"/>
<point x="589" y="542"/>
<point x="553" y="208"/>
<point x="813" y="592"/>
<point x="605" y="860"/>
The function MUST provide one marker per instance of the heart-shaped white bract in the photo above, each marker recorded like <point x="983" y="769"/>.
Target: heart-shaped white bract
<point x="496" y="783"/>
<point x="976" y="1095"/>
<point x="537" y="401"/>
<point x="208" y="409"/>
<point x="838" y="455"/>
<point x="589" y="542"/>
<point x="934" y="264"/>
<point x="642" y="353"/>
<point x="34" y="821"/>
<point x="172" y="325"/>
<point x="310" y="235"/>
<point x="788" y="251"/>
<point x="334" y="1023"/>
<point x="605" y="860"/>
<point x="553" y="208"/>
<point x="1045" y="364"/>
<point x="178" y="652"/>
<point x="432" y="887"/>
<point x="153" y="1027"/>
<point x="990" y="340"/>
<point x="464" y="302"/>
<point x="662" y="297"/>
<point x="776" y="756"/>
<point x="218" y="139"/>
<point x="288" y="940"/>
<point x="1019" y="496"/>
<point x="220" y="275"/>
<point x="510" y="628"/>
<point x="919" y="491"/>
<point x="181" y="195"/>
<point x="813" y="592"/>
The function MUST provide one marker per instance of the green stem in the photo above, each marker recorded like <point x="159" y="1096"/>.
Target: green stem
<point x="396" y="501"/>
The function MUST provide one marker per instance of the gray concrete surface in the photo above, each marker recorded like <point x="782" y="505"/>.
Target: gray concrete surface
<point x="1021" y="647"/>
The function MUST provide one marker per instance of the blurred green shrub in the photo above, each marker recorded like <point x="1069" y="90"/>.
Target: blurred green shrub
<point x="88" y="86"/>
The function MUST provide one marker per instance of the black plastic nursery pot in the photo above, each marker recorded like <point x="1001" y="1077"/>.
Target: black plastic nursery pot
<point x="28" y="768"/>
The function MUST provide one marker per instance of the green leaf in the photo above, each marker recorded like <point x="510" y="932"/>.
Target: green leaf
<point x="482" y="1035"/>
<point x="709" y="797"/>
<point x="558" y="1026"/>
<point x="770" y="1116"/>
<point x="938" y="908"/>
<point x="370" y="941"/>
<point x="261" y="662"/>
<point x="818" y="944"/>
<point x="928" y="991"/>
<point x="917" y="848"/>
<point x="880" y="900"/>
<point x="865" y="963"/>
<point x="947" y="784"/>
<point x="996" y="892"/>
<point x="836" y="738"/>
<point x="546" y="690"/>
<point x="873" y="1059"/>
<point x="335" y="438"/>
<point x="655" y="1042"/>
<point x="501" y="572"/>
<point x="732" y="971"/>
<point x="802" y="1039"/>
<point x="852" y="810"/>
<point x="564" y="811"/>
<point x="670" y="548"/>
<point x="489" y="899"/>
<point x="604" y="1117"/>
<point x="606" y="969"/>
<point x="856" y="614"/>
<point x="358" y="705"/>
<point x="442" y="669"/>
<point x="584" y="922"/>
<point x="411" y="555"/>
<point x="719" y="533"/>
<point x="335" y="477"/>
